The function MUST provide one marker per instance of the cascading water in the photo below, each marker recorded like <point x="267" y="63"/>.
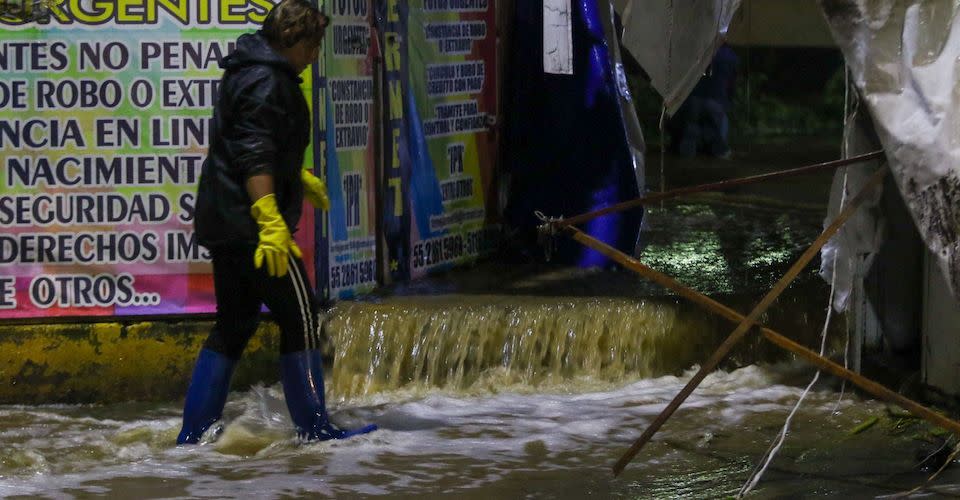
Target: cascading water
<point x="475" y="344"/>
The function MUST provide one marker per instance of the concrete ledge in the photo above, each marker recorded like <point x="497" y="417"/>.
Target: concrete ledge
<point x="110" y="362"/>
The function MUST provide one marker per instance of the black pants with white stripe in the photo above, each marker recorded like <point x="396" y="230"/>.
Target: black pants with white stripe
<point x="242" y="289"/>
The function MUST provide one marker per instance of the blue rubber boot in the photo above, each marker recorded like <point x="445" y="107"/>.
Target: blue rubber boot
<point x="206" y="396"/>
<point x="302" y="377"/>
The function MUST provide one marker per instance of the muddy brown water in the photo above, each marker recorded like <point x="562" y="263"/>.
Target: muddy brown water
<point x="530" y="387"/>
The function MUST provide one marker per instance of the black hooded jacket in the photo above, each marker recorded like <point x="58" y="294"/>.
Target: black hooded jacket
<point x="261" y="124"/>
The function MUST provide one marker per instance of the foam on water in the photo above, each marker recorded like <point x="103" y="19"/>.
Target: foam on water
<point x="430" y="441"/>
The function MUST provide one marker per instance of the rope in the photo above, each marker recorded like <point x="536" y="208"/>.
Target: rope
<point x="663" y="112"/>
<point x="778" y="442"/>
<point x="670" y="49"/>
<point x="663" y="151"/>
<point x="749" y="8"/>
<point x="747" y="323"/>
<point x="717" y="186"/>
<point x="845" y="151"/>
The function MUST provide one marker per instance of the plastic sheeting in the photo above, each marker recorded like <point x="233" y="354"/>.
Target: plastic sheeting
<point x="856" y="244"/>
<point x="902" y="57"/>
<point x="573" y="141"/>
<point x="675" y="40"/>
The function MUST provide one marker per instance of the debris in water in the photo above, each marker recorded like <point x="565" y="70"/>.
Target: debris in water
<point x="864" y="426"/>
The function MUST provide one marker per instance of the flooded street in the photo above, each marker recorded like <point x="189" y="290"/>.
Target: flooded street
<point x="508" y="384"/>
<point x="554" y="442"/>
<point x="399" y="183"/>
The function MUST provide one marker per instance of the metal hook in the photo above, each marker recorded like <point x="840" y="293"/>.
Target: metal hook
<point x="547" y="233"/>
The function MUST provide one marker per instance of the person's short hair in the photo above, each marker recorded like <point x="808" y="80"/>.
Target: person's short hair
<point x="292" y="21"/>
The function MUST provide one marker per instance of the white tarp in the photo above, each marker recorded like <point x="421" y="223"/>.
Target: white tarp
<point x="675" y="40"/>
<point x="902" y="57"/>
<point x="855" y="245"/>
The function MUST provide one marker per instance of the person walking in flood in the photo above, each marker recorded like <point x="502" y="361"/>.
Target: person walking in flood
<point x="701" y="125"/>
<point x="249" y="202"/>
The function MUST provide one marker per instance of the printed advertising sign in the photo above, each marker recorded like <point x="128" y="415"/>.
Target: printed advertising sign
<point x="451" y="64"/>
<point x="104" y="123"/>
<point x="347" y="121"/>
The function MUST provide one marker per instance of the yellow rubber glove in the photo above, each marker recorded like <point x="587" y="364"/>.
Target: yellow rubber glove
<point x="315" y="190"/>
<point x="276" y="242"/>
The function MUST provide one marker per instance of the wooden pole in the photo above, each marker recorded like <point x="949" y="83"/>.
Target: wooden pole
<point x="715" y="186"/>
<point x="745" y="322"/>
<point x="778" y="339"/>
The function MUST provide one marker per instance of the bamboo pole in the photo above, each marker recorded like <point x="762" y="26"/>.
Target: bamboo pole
<point x="778" y="339"/>
<point x="715" y="186"/>
<point x="747" y="322"/>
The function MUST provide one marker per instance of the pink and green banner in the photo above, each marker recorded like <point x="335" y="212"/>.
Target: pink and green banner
<point x="104" y="123"/>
